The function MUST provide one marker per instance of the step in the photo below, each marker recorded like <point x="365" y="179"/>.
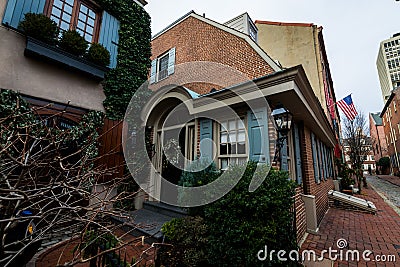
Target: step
<point x="166" y="209"/>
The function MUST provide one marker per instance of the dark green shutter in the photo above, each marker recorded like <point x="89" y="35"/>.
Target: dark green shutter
<point x="16" y="10"/>
<point x="297" y="151"/>
<point x="315" y="157"/>
<point x="206" y="143"/>
<point x="109" y="37"/>
<point x="258" y="135"/>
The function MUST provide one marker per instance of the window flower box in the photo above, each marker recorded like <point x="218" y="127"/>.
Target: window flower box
<point x="38" y="49"/>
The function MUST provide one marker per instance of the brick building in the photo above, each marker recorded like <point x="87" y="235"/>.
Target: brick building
<point x="378" y="138"/>
<point x="367" y="154"/>
<point x="308" y="151"/>
<point x="391" y="124"/>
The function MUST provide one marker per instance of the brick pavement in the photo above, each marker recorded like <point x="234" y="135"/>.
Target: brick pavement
<point x="379" y="233"/>
<point x="63" y="252"/>
<point x="390" y="178"/>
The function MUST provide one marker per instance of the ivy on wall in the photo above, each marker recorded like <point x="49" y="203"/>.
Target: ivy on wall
<point x="133" y="59"/>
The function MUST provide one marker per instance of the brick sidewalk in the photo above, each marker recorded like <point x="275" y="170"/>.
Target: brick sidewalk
<point x="391" y="179"/>
<point x="379" y="233"/>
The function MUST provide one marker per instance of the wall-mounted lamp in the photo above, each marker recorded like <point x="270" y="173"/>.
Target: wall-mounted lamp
<point x="282" y="122"/>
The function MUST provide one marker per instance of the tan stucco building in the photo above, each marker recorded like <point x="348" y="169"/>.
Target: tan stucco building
<point x="292" y="44"/>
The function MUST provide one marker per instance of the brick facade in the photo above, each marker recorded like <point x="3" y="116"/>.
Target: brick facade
<point x="391" y="123"/>
<point x="378" y="139"/>
<point x="196" y="40"/>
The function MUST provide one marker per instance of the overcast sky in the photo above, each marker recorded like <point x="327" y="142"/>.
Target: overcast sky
<point x="352" y="32"/>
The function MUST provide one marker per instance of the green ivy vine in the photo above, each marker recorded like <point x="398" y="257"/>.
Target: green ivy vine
<point x="133" y="61"/>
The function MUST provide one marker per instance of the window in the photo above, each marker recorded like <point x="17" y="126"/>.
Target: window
<point x="75" y="15"/>
<point x="162" y="66"/>
<point x="232" y="142"/>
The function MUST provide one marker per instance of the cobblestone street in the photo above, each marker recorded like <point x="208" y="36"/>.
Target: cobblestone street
<point x="388" y="189"/>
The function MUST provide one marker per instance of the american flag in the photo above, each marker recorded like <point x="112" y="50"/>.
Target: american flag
<point x="347" y="106"/>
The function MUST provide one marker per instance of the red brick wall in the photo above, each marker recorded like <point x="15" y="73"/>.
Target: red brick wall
<point x="320" y="190"/>
<point x="379" y="145"/>
<point x="196" y="40"/>
<point x="301" y="224"/>
<point x="391" y="119"/>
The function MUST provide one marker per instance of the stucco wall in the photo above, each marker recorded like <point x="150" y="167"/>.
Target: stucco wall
<point x="294" y="45"/>
<point x="40" y="79"/>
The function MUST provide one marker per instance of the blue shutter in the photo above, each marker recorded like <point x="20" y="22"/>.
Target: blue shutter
<point x="171" y="61"/>
<point x="284" y="155"/>
<point x="153" y="71"/>
<point x="315" y="157"/>
<point x="299" y="174"/>
<point x="206" y="141"/>
<point x="16" y="10"/>
<point x="109" y="37"/>
<point x="258" y="135"/>
<point x="324" y="161"/>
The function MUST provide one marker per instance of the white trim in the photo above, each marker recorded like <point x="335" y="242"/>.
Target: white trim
<point x="220" y="26"/>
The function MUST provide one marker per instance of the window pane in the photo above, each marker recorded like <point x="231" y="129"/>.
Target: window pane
<point x="80" y="32"/>
<point x="232" y="125"/>
<point x="82" y="16"/>
<point x="224" y="138"/>
<point x="224" y="164"/>
<point x="56" y="20"/>
<point x="80" y="25"/>
<point x="232" y="136"/>
<point x="84" y="9"/>
<point x="89" y="30"/>
<point x="90" y="22"/>
<point x="92" y="14"/>
<point x="68" y="9"/>
<point x="66" y="17"/>
<point x="57" y="3"/>
<point x="233" y="147"/>
<point x="241" y="136"/>
<point x="56" y="12"/>
<point x="224" y="126"/>
<point x="241" y="148"/>
<point x="64" y="26"/>
<point x="240" y="124"/>
<point x="88" y="38"/>
<point x="223" y="149"/>
<point x="70" y="2"/>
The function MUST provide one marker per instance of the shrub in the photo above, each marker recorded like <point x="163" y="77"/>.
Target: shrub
<point x="40" y="27"/>
<point x="72" y="42"/>
<point x="189" y="237"/>
<point x="242" y="223"/>
<point x="98" y="54"/>
<point x="192" y="178"/>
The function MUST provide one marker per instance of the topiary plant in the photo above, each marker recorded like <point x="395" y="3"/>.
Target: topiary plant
<point x="72" y="42"/>
<point x="40" y="27"/>
<point x="98" y="54"/>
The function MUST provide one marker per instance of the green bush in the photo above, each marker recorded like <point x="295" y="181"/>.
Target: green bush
<point x="189" y="237"/>
<point x="242" y="223"/>
<point x="40" y="27"/>
<point x="72" y="42"/>
<point x="98" y="54"/>
<point x="192" y="178"/>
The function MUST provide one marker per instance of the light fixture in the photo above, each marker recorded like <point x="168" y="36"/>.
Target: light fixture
<point x="282" y="122"/>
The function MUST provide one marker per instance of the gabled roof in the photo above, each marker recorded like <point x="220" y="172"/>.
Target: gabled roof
<point x="227" y="29"/>
<point x="377" y="119"/>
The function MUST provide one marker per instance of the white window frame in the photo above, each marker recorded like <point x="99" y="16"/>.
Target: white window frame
<point x="238" y="158"/>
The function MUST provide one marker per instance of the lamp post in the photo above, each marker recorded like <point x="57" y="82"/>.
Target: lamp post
<point x="282" y="122"/>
